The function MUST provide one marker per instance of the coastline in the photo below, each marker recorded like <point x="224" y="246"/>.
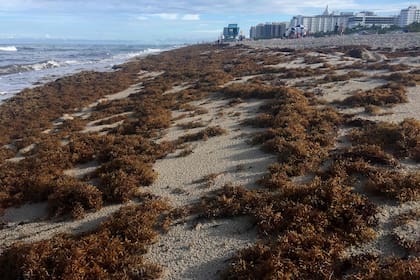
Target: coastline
<point x="177" y="128"/>
<point x="31" y="65"/>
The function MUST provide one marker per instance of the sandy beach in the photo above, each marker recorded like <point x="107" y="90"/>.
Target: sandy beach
<point x="383" y="41"/>
<point x="279" y="159"/>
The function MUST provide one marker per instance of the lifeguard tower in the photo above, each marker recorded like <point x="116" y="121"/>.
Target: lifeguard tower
<point x="230" y="33"/>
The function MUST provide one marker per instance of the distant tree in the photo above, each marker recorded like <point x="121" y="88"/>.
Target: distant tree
<point x="414" y="27"/>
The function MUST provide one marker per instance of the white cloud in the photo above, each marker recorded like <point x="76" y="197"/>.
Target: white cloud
<point x="191" y="17"/>
<point x="167" y="16"/>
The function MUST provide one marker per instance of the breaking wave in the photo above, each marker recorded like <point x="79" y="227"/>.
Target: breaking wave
<point x="8" y="49"/>
<point x="134" y="54"/>
<point x="12" y="69"/>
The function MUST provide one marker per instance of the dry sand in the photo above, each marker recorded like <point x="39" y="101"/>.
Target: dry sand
<point x="29" y="223"/>
<point x="199" y="251"/>
<point x="392" y="41"/>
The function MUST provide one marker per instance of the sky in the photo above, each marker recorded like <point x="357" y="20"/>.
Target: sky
<point x="155" y="21"/>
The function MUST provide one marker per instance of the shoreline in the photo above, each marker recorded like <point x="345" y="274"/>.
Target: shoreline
<point x="53" y="68"/>
<point x="229" y="154"/>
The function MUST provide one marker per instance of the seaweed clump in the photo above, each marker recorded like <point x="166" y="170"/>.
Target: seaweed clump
<point x="120" y="177"/>
<point x="112" y="251"/>
<point x="73" y="197"/>
<point x="251" y="90"/>
<point x="308" y="224"/>
<point x="208" y="132"/>
<point x="369" y="266"/>
<point x="389" y="94"/>
<point x="343" y="77"/>
<point x="403" y="187"/>
<point x="407" y="79"/>
<point x="32" y="110"/>
<point x="403" y="140"/>
<point x="299" y="133"/>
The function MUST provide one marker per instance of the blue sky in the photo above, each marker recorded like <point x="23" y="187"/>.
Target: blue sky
<point x="157" y="21"/>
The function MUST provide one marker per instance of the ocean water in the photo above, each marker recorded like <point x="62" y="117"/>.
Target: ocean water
<point x="29" y="64"/>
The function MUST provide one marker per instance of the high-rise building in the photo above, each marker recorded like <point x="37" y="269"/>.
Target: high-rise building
<point x="409" y="15"/>
<point x="278" y="29"/>
<point x="327" y="22"/>
<point x="369" y="19"/>
<point x="332" y="22"/>
<point x="253" y="32"/>
<point x="259" y="31"/>
<point x="268" y="30"/>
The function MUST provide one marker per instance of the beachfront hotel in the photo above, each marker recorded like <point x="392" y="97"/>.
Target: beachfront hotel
<point x="409" y="15"/>
<point x="369" y="19"/>
<point x="268" y="30"/>
<point x="326" y="22"/>
<point x="333" y="22"/>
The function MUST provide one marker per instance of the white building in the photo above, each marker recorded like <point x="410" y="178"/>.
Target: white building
<point x="327" y="22"/>
<point x="369" y="19"/>
<point x="409" y="15"/>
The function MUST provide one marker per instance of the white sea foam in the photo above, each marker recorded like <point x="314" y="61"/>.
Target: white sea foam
<point x="44" y="65"/>
<point x="149" y="50"/>
<point x="72" y="62"/>
<point x="134" y="54"/>
<point x="8" y="49"/>
<point x="11" y="69"/>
